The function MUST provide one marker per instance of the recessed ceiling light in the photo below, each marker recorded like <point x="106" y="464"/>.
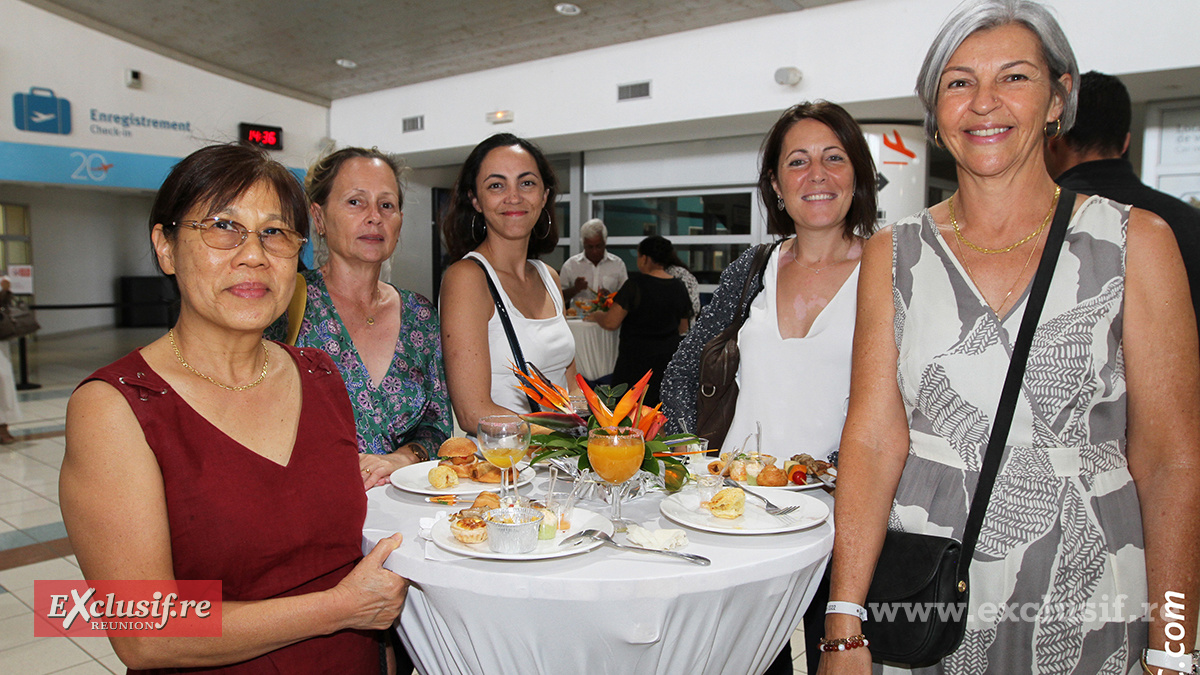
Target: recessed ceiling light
<point x="568" y="9"/>
<point x="347" y="64"/>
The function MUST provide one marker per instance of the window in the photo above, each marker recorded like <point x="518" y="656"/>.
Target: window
<point x="15" y="243"/>
<point x="673" y="216"/>
<point x="708" y="229"/>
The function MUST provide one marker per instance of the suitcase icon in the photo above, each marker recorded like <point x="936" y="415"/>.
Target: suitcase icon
<point x="40" y="110"/>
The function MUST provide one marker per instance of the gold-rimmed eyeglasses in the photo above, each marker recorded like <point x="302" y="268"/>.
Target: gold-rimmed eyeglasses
<point x="226" y="234"/>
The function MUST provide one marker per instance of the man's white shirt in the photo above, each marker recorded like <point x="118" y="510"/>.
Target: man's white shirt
<point x="610" y="274"/>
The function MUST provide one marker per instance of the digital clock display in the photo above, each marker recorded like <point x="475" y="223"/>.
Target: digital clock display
<point x="270" y="138"/>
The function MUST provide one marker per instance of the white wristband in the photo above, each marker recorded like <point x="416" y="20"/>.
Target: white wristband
<point x="837" y="607"/>
<point x="1158" y="658"/>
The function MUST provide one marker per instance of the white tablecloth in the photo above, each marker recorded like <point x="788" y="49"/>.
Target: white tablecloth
<point x="595" y="348"/>
<point x="604" y="611"/>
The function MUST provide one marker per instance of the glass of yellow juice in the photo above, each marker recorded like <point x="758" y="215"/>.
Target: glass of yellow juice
<point x="616" y="454"/>
<point x="503" y="440"/>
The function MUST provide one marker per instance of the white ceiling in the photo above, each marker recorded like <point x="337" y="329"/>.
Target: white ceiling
<point x="290" y="46"/>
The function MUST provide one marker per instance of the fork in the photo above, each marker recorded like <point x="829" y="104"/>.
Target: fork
<point x="770" y="508"/>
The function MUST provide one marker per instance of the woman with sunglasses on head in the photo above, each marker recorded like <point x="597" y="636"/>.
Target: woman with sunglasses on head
<point x="498" y="223"/>
<point x="214" y="454"/>
<point x="385" y="340"/>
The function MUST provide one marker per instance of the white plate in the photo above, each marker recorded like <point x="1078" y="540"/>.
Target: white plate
<point x="684" y="508"/>
<point x="415" y="478"/>
<point x="581" y="519"/>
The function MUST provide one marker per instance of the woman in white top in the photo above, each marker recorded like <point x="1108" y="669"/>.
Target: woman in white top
<point x="499" y="217"/>
<point x="818" y="181"/>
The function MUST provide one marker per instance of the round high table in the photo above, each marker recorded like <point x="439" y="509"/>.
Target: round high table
<point x="602" y="611"/>
<point x="595" y="348"/>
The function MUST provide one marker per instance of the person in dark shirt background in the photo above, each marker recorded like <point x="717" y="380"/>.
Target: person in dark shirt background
<point x="1089" y="159"/>
<point x="652" y="310"/>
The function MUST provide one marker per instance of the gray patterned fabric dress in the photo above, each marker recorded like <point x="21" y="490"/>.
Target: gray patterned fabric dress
<point x="1058" y="577"/>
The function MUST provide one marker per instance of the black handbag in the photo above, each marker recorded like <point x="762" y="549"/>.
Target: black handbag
<point x="717" y="394"/>
<point x="513" y="343"/>
<point x="917" y="601"/>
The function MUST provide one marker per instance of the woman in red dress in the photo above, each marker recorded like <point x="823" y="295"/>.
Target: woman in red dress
<point x="214" y="454"/>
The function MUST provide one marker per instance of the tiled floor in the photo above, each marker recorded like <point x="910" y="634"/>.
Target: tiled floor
<point x="33" y="541"/>
<point x="32" y="538"/>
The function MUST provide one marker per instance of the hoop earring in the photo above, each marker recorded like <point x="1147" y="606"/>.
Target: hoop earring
<point x="1057" y="129"/>
<point x="937" y="140"/>
<point x="549" y="224"/>
<point x="779" y="203"/>
<point x="478" y="231"/>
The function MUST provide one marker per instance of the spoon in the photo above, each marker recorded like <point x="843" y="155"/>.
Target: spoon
<point x="603" y="538"/>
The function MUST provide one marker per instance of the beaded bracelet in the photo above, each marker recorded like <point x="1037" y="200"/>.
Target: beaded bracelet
<point x="842" y="644"/>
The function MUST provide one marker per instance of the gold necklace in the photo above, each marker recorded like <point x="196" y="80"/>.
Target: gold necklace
<point x="981" y="249"/>
<point x="1012" y="288"/>
<point x="262" y="376"/>
<point x="816" y="270"/>
<point x="370" y="319"/>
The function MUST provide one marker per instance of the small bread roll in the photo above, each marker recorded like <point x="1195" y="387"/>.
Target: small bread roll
<point x="772" y="476"/>
<point x="457" y="446"/>
<point x="729" y="503"/>
<point x="486" y="501"/>
<point x="468" y="529"/>
<point x="442" y="477"/>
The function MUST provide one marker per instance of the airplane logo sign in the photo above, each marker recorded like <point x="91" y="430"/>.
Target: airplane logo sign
<point x="41" y="111"/>
<point x="896" y="143"/>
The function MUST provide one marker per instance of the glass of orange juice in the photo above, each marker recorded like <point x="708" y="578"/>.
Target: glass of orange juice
<point x="616" y="454"/>
<point x="503" y="440"/>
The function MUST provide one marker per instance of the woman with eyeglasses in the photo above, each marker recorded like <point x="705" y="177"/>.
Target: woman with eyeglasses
<point x="497" y="225"/>
<point x="385" y="341"/>
<point x="214" y="454"/>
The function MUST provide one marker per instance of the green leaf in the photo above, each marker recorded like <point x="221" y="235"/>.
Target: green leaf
<point x="650" y="464"/>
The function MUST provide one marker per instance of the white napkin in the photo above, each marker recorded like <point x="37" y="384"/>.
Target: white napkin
<point x="426" y="525"/>
<point x="662" y="540"/>
<point x="432" y="550"/>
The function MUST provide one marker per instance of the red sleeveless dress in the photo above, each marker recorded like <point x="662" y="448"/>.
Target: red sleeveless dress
<point x="265" y="530"/>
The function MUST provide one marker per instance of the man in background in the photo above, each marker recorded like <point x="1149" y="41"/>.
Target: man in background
<point x="1089" y="159"/>
<point x="595" y="269"/>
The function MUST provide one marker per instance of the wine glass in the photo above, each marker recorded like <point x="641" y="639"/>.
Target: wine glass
<point x="616" y="454"/>
<point x="503" y="440"/>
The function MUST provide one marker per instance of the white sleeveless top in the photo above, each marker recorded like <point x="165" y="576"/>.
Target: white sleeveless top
<point x="797" y="387"/>
<point x="546" y="343"/>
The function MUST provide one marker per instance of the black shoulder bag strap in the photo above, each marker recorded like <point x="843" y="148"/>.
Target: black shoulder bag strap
<point x="1012" y="382"/>
<point x="754" y="281"/>
<point x="502" y="311"/>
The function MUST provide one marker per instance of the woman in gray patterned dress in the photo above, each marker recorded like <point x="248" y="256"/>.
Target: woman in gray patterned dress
<point x="1107" y="425"/>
